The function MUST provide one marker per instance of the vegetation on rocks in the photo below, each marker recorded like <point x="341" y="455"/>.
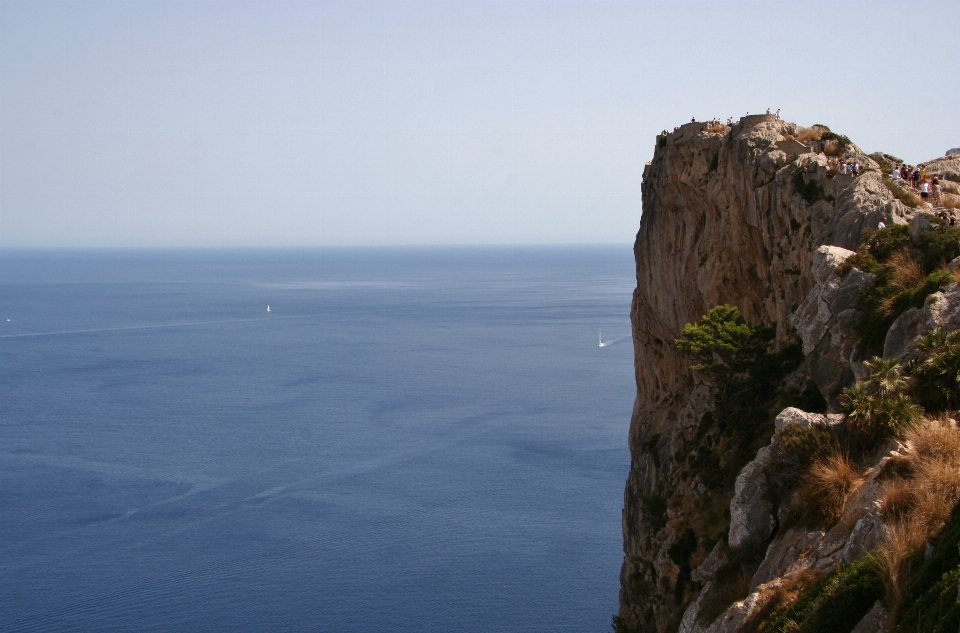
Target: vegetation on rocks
<point x="906" y="197"/>
<point x="811" y="192"/>
<point x="936" y="373"/>
<point x="906" y="275"/>
<point x="918" y="506"/>
<point x="929" y="603"/>
<point x="796" y="449"/>
<point x="747" y="377"/>
<point x="826" y="487"/>
<point x="879" y="408"/>
<point x="709" y="519"/>
<point x="834" y="605"/>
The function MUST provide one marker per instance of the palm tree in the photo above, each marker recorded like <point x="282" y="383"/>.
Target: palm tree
<point x="885" y="376"/>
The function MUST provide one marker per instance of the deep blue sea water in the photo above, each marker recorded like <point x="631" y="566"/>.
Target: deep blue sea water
<point x="409" y="441"/>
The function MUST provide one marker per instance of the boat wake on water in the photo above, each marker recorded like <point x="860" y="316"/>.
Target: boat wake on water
<point x="603" y="343"/>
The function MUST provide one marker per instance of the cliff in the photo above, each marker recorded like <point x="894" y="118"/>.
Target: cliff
<point x="747" y="215"/>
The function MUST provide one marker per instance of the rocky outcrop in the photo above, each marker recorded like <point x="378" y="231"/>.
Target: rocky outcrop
<point x="742" y="215"/>
<point x="825" y="322"/>
<point x="940" y="310"/>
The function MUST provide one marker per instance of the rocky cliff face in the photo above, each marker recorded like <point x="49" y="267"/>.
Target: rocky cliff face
<point x="747" y="216"/>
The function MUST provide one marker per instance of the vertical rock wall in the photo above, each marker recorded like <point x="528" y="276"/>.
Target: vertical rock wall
<point x="730" y="215"/>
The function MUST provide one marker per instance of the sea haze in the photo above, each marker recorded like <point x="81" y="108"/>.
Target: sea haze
<point x="410" y="440"/>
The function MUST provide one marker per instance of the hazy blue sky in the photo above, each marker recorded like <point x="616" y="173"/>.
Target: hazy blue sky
<point x="326" y="123"/>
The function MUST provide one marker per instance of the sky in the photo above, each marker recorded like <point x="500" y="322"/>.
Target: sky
<point x="218" y="123"/>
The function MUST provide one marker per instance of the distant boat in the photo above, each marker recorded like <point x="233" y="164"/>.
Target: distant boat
<point x="600" y="340"/>
<point x="268" y="307"/>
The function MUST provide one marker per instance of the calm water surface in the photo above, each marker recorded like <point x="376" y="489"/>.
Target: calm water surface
<point x="410" y="440"/>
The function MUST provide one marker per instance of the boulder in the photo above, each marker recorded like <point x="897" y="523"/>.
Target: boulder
<point x="792" y="415"/>
<point x="921" y="224"/>
<point x="940" y="310"/>
<point x="751" y="512"/>
<point x="873" y="622"/>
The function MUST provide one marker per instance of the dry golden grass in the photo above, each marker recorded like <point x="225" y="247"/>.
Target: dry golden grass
<point x="806" y="135"/>
<point x="832" y="148"/>
<point x="917" y="506"/>
<point x="937" y="491"/>
<point x="781" y="597"/>
<point x="950" y="201"/>
<point x="950" y="187"/>
<point x="717" y="128"/>
<point x="828" y="484"/>
<point x="906" y="274"/>
<point x="906" y="270"/>
<point x="926" y="498"/>
<point x="896" y="466"/>
<point x="898" y="500"/>
<point x="935" y="440"/>
<point x="789" y="137"/>
<point x="900" y="541"/>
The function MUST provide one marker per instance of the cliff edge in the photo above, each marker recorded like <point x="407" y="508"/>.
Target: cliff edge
<point x="760" y="215"/>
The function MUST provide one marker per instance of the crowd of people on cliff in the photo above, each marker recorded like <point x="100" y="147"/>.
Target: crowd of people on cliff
<point x="916" y="177"/>
<point x="849" y="169"/>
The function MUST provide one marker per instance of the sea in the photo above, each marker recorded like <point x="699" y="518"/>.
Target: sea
<point x="409" y="440"/>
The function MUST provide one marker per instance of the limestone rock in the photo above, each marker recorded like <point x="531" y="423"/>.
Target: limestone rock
<point x="792" y="415"/>
<point x="826" y="322"/>
<point x="873" y="622"/>
<point x="743" y="217"/>
<point x="706" y="570"/>
<point x="751" y="513"/>
<point x="921" y="224"/>
<point x="940" y="310"/>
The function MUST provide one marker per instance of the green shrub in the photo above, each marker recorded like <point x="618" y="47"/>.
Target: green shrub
<point x="878" y="408"/>
<point x="939" y="245"/>
<point x="878" y="246"/>
<point x="834" y="605"/>
<point x="936" y="374"/>
<point x="906" y="197"/>
<point x="842" y="141"/>
<point x="929" y="603"/>
<point x="811" y="192"/>
<point x="721" y="341"/>
<point x="883" y="302"/>
<point x="748" y="386"/>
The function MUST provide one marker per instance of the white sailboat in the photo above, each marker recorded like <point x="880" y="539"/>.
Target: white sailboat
<point x="600" y="339"/>
<point x="268" y="307"/>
